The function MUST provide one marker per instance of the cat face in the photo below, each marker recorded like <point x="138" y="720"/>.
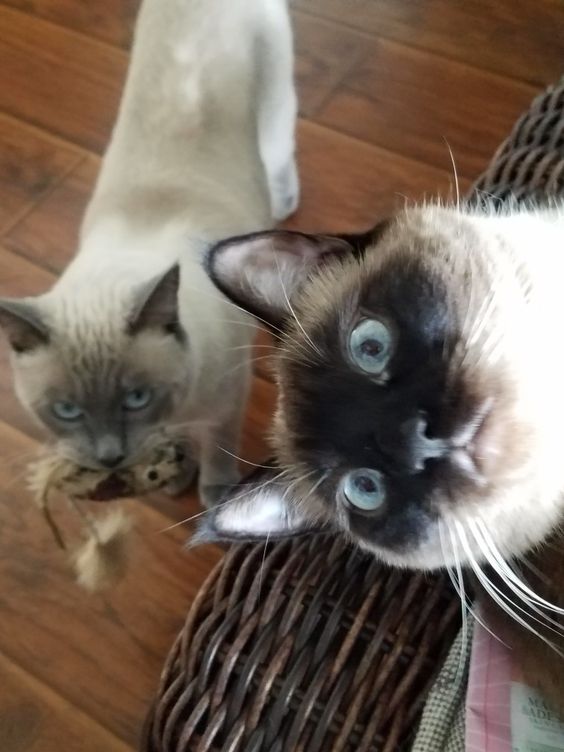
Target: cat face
<point x="101" y="388"/>
<point x="417" y="412"/>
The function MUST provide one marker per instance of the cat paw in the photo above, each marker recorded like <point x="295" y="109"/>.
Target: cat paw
<point x="184" y="480"/>
<point x="211" y="493"/>
<point x="285" y="192"/>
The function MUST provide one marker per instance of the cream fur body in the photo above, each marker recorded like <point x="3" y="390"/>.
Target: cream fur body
<point x="203" y="147"/>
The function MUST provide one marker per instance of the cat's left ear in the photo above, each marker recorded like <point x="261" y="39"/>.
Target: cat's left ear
<point x="258" y="508"/>
<point x="23" y="324"/>
<point x="262" y="272"/>
<point x="156" y="305"/>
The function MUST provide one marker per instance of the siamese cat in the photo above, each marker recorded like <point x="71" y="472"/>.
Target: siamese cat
<point x="421" y="402"/>
<point x="133" y="340"/>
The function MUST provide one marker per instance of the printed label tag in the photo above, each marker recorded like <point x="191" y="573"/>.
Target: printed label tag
<point x="534" y="725"/>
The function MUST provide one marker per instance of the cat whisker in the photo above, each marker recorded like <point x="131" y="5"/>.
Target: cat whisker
<point x="272" y="357"/>
<point x="262" y="565"/>
<point x="292" y="311"/>
<point x="195" y="516"/>
<point x="257" y="489"/>
<point x="297" y="481"/>
<point x="462" y="595"/>
<point x="237" y="307"/>
<point x="520" y="588"/>
<point x="313" y="489"/>
<point x="459" y="587"/>
<point x="559" y="628"/>
<point x="455" y="173"/>
<point x="15" y="479"/>
<point x="18" y="457"/>
<point x="497" y="595"/>
<point x="255" y="347"/>
<point x="535" y="570"/>
<point x="247" y="462"/>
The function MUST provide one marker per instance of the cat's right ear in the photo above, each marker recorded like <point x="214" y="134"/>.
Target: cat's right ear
<point x="262" y="272"/>
<point x="23" y="325"/>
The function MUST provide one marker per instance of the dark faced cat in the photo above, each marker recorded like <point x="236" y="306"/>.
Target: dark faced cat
<point x="420" y="406"/>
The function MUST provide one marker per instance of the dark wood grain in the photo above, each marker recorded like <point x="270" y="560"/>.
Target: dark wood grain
<point x="347" y="184"/>
<point x="34" y="718"/>
<point x="519" y="38"/>
<point x="324" y="55"/>
<point x="18" y="278"/>
<point x="412" y="103"/>
<point x="30" y="165"/>
<point x="48" y="235"/>
<point x="58" y="80"/>
<point x="108" y="20"/>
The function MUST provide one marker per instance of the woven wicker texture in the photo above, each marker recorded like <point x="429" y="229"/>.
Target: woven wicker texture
<point x="309" y="646"/>
<point x="529" y="165"/>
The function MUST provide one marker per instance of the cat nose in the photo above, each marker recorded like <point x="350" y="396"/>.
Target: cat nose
<point x="111" y="461"/>
<point x="419" y="447"/>
<point x="109" y="452"/>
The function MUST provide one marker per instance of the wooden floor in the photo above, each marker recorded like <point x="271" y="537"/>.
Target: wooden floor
<point x="384" y="86"/>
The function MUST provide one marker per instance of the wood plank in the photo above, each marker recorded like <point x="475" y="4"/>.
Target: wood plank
<point x="411" y="102"/>
<point x="347" y="185"/>
<point x="324" y="55"/>
<point x="18" y="278"/>
<point x="35" y="719"/>
<point x="48" y="235"/>
<point x="518" y="38"/>
<point x="103" y="653"/>
<point x="59" y="80"/>
<point x="30" y="165"/>
<point x="108" y="20"/>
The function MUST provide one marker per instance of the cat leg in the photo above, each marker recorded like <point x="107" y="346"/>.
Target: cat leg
<point x="277" y="110"/>
<point x="219" y="443"/>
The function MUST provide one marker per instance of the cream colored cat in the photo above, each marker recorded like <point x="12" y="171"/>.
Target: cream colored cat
<point x="133" y="339"/>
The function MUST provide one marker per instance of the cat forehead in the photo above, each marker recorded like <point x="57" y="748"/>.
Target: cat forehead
<point x="404" y="289"/>
<point x="93" y="367"/>
<point x="421" y="253"/>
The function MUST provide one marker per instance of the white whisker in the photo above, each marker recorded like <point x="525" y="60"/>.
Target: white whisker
<point x="480" y="621"/>
<point x="247" y="462"/>
<point x="194" y="516"/>
<point x="458" y="583"/>
<point x="262" y="565"/>
<point x="298" y="322"/>
<point x="495" y="594"/>
<point x="455" y="173"/>
<point x="480" y="532"/>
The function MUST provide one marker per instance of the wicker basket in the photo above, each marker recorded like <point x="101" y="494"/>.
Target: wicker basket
<point x="309" y="645"/>
<point x="304" y="646"/>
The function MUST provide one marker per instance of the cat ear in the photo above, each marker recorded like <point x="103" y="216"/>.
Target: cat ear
<point x="259" y="507"/>
<point x="23" y="325"/>
<point x="262" y="272"/>
<point x="156" y="306"/>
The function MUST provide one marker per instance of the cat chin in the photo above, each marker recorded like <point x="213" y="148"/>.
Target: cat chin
<point x="427" y="556"/>
<point x="453" y="545"/>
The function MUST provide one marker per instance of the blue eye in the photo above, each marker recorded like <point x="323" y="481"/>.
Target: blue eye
<point x="371" y="345"/>
<point x="66" y="410"/>
<point x="137" y="399"/>
<point x="364" y="489"/>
